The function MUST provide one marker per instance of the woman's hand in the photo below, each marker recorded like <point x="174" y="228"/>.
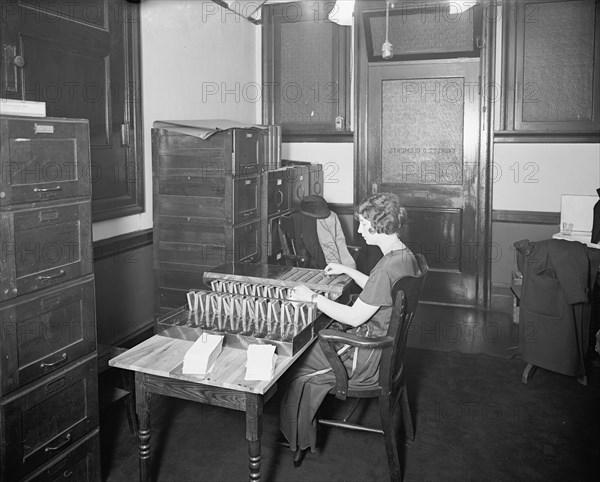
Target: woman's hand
<point x="301" y="293"/>
<point x="333" y="269"/>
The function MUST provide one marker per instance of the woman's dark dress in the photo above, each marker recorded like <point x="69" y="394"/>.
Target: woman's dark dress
<point x="307" y="390"/>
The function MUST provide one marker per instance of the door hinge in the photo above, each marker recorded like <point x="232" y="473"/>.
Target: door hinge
<point x="11" y="63"/>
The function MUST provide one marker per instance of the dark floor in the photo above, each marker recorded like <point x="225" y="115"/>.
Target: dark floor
<point x="475" y="421"/>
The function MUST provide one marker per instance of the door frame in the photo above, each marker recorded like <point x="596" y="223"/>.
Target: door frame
<point x="486" y="115"/>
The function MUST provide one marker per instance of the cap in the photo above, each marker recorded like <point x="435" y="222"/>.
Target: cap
<point x="315" y="207"/>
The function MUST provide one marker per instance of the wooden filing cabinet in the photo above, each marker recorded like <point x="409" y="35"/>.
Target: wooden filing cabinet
<point x="299" y="177"/>
<point x="278" y="198"/>
<point x="80" y="463"/>
<point x="304" y="179"/>
<point x="209" y="206"/>
<point x="48" y="367"/>
<point x="286" y="188"/>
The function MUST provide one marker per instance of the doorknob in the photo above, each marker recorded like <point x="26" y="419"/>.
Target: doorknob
<point x="18" y="61"/>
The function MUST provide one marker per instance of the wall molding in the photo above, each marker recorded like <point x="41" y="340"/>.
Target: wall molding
<point x="498" y="215"/>
<point x="525" y="217"/>
<point x="507" y="137"/>
<point x="118" y="245"/>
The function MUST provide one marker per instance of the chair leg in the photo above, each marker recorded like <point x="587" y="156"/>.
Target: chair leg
<point x="299" y="455"/>
<point x="353" y="407"/>
<point x="528" y="373"/>
<point x="409" y="429"/>
<point x="391" y="440"/>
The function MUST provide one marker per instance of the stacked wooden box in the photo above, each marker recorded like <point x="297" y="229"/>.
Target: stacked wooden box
<point x="209" y="206"/>
<point x="215" y="201"/>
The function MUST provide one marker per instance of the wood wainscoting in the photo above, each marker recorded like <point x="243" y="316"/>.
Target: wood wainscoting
<point x="124" y="288"/>
<point x="124" y="276"/>
<point x="507" y="228"/>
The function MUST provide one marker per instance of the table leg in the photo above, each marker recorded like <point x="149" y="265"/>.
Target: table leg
<point x="254" y="410"/>
<point x="142" y="399"/>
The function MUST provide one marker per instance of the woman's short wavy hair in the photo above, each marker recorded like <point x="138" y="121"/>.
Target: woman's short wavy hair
<point x="384" y="212"/>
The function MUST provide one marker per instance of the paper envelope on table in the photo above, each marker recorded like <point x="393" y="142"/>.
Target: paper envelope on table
<point x="200" y="358"/>
<point x="260" y="364"/>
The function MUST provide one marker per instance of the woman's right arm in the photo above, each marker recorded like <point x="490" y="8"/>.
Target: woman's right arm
<point x="335" y="268"/>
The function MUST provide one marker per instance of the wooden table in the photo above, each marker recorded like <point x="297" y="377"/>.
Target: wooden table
<point x="157" y="363"/>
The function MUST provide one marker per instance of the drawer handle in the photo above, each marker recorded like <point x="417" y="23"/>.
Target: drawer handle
<point x="52" y="276"/>
<point x="66" y="440"/>
<point x="62" y="359"/>
<point x="67" y="474"/>
<point x="279" y="194"/>
<point x="47" y="189"/>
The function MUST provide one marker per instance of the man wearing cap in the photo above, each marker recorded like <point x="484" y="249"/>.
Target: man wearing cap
<point x="319" y="234"/>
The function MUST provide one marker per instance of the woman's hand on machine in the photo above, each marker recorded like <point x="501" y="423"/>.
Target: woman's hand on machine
<point x="301" y="293"/>
<point x="333" y="269"/>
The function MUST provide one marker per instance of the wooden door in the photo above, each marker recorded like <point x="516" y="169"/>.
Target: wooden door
<point x="80" y="59"/>
<point x="423" y="145"/>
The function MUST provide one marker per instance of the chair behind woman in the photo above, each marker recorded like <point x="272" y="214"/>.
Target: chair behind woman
<point x="391" y="386"/>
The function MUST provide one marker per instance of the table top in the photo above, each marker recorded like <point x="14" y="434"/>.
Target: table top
<point x="163" y="356"/>
<point x="582" y="238"/>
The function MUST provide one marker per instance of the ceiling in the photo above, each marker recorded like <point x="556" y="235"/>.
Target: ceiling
<point x="248" y="9"/>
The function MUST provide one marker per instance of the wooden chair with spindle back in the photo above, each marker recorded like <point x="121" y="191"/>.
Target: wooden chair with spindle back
<point x="391" y="386"/>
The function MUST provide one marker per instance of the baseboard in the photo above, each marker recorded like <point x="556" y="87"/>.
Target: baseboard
<point x="138" y="336"/>
<point x="501" y="298"/>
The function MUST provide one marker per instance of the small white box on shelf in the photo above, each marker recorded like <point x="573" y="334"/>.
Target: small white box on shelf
<point x="27" y="108"/>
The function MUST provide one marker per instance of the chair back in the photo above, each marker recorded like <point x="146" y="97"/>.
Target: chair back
<point x="300" y="242"/>
<point x="287" y="240"/>
<point x="405" y="293"/>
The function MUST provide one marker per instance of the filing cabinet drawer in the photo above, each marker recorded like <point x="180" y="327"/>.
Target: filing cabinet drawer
<point x="43" y="159"/>
<point x="299" y="182"/>
<point x="274" y="248"/>
<point x="235" y="151"/>
<point x="246" y="242"/>
<point x="247" y="152"/>
<point x="43" y="247"/>
<point x="45" y="331"/>
<point x="80" y="463"/>
<point x="246" y="199"/>
<point x="237" y="243"/>
<point x="315" y="179"/>
<point x="278" y="192"/>
<point x="230" y="199"/>
<point x="48" y="417"/>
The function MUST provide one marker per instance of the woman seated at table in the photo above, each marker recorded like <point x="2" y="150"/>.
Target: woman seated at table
<point x="311" y="378"/>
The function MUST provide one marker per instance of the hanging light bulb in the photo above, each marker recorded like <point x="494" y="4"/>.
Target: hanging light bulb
<point x="387" y="49"/>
